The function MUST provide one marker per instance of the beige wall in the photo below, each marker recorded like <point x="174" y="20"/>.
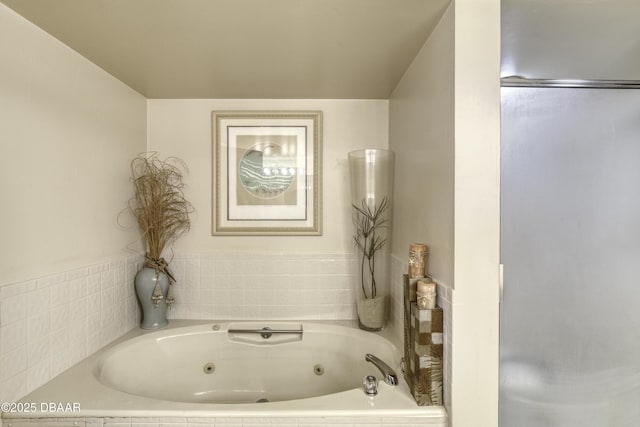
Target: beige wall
<point x="421" y="129"/>
<point x="182" y="128"/>
<point x="477" y="214"/>
<point x="421" y="133"/>
<point x="69" y="131"/>
<point x="444" y="126"/>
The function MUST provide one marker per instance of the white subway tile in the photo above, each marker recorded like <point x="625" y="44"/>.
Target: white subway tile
<point x="192" y="269"/>
<point x="60" y="341"/>
<point x="281" y="266"/>
<point x="98" y="268"/>
<point x="236" y="297"/>
<point x="220" y="311"/>
<point x="200" y="422"/>
<point x="120" y="293"/>
<point x="94" y="342"/>
<point x="13" y="362"/>
<point x="38" y="302"/>
<point x="60" y="318"/>
<point x="93" y="283"/>
<point x="14" y="289"/>
<point x="255" y="420"/>
<point x="283" y="421"/>
<point x="77" y="347"/>
<point x="78" y="311"/>
<point x="220" y="268"/>
<point x="206" y="268"/>
<point x="133" y="312"/>
<point x="39" y="349"/>
<point x="238" y="312"/>
<point x="77" y="274"/>
<point x="107" y="300"/>
<point x="237" y="268"/>
<point x="47" y="281"/>
<point x="232" y="422"/>
<point x="13" y="388"/>
<point x="59" y="294"/>
<point x="306" y="421"/>
<point x="367" y="420"/>
<point x="60" y="362"/>
<point x="145" y="420"/>
<point x="13" y="336"/>
<point x="176" y="312"/>
<point x="220" y="297"/>
<point x="172" y="420"/>
<point x="93" y="303"/>
<point x="206" y="283"/>
<point x="38" y="326"/>
<point x="193" y="296"/>
<point x="107" y="319"/>
<point x="94" y="323"/>
<point x="291" y="297"/>
<point x="119" y="274"/>
<point x="339" y="420"/>
<point x="131" y="291"/>
<point x="107" y="280"/>
<point x="77" y="288"/>
<point x="224" y="282"/>
<point x="131" y="270"/>
<point x="178" y="294"/>
<point x="253" y="298"/>
<point x="206" y="296"/>
<point x="116" y="264"/>
<point x="38" y="374"/>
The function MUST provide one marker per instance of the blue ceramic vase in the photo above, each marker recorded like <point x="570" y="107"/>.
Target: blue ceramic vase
<point x="154" y="316"/>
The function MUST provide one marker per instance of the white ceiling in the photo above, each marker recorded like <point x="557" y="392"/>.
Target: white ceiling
<point x="355" y="49"/>
<point x="571" y="39"/>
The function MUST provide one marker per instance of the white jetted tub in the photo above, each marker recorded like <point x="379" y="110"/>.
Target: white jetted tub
<point x="214" y="369"/>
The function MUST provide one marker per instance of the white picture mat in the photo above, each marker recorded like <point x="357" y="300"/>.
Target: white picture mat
<point x="267" y="212"/>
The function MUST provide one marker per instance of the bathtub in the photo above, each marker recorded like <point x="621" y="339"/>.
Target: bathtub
<point x="208" y="370"/>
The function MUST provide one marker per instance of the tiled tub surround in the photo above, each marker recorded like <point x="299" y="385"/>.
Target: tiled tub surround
<point x="51" y="323"/>
<point x="210" y="285"/>
<point x="399" y="267"/>
<point x="106" y="405"/>
<point x="265" y="286"/>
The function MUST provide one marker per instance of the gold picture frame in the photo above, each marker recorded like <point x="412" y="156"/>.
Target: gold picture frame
<point x="267" y="173"/>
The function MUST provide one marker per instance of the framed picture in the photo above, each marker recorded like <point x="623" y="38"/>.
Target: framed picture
<point x="267" y="172"/>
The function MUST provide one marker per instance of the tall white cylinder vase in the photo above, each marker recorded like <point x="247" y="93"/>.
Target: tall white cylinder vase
<point x="371" y="204"/>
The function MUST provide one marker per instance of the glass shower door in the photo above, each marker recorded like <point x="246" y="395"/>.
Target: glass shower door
<point x="570" y="246"/>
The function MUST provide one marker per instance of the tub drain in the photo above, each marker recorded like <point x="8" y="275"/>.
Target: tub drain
<point x="263" y="400"/>
<point x="209" y="368"/>
<point x="318" y="369"/>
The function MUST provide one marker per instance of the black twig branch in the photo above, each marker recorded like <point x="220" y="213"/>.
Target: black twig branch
<point x="368" y="221"/>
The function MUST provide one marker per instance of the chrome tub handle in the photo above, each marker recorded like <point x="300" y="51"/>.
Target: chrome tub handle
<point x="266" y="332"/>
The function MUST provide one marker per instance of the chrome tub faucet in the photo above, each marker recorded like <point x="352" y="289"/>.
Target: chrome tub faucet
<point x="388" y="374"/>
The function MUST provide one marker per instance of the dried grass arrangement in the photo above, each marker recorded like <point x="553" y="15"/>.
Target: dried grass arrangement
<point x="160" y="208"/>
